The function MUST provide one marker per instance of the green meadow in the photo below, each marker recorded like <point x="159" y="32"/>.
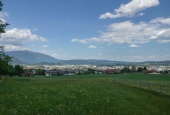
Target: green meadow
<point x="85" y="95"/>
<point x="152" y="78"/>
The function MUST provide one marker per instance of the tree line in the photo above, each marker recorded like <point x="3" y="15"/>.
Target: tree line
<point x="6" y="68"/>
<point x="133" y="69"/>
<point x="4" y="59"/>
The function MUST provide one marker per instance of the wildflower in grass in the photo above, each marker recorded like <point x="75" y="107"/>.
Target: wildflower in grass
<point x="14" y="111"/>
<point x="61" y="106"/>
<point x="108" y="100"/>
<point x="72" y="97"/>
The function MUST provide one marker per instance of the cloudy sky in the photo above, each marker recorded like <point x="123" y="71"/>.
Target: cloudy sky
<point x="120" y="30"/>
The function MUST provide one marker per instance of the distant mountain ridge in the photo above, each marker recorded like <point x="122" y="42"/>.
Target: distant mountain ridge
<point x="35" y="58"/>
<point x="93" y="62"/>
<point x="29" y="57"/>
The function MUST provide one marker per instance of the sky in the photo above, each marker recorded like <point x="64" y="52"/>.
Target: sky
<point x="118" y="30"/>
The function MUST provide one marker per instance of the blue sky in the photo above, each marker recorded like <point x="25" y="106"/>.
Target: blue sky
<point x="120" y="30"/>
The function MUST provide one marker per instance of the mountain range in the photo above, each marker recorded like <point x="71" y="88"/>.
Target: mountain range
<point x="35" y="58"/>
<point x="29" y="57"/>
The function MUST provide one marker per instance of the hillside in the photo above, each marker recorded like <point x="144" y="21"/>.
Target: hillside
<point x="93" y="62"/>
<point x="157" y="63"/>
<point x="35" y="58"/>
<point x="29" y="57"/>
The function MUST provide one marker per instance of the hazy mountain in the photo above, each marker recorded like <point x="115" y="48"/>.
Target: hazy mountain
<point x="93" y="62"/>
<point x="148" y="63"/>
<point x="29" y="57"/>
<point x="113" y="63"/>
<point x="34" y="58"/>
<point x="16" y="61"/>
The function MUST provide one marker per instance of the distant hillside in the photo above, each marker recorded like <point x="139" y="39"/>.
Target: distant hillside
<point x="29" y="57"/>
<point x="147" y="63"/>
<point x="34" y="58"/>
<point x="16" y="61"/>
<point x="109" y="63"/>
<point x="93" y="62"/>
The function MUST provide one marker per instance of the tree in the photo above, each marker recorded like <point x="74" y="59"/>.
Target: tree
<point x="166" y="72"/>
<point x="18" y="70"/>
<point x="91" y="71"/>
<point x="11" y="70"/>
<point x="40" y="72"/>
<point x="125" y="70"/>
<point x="144" y="68"/>
<point x="2" y="24"/>
<point x="4" y="62"/>
<point x="133" y="69"/>
<point x="2" y="29"/>
<point x="140" y="69"/>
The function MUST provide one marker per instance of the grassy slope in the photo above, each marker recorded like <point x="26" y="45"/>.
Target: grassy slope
<point x="77" y="95"/>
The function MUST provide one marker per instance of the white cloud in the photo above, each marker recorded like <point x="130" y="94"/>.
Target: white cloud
<point x="80" y="41"/>
<point x="164" y="41"/>
<point x="152" y="57"/>
<point x="3" y="15"/>
<point x="84" y="41"/>
<point x="158" y="34"/>
<point x="19" y="36"/>
<point x="141" y="14"/>
<point x="134" y="46"/>
<point x="130" y="9"/>
<point x="109" y="15"/>
<point x="55" y="55"/>
<point x="3" y="21"/>
<point x="92" y="47"/>
<point x="45" y="46"/>
<point x="161" y="20"/>
<point x="132" y="33"/>
<point x="138" y="57"/>
<point x="11" y="47"/>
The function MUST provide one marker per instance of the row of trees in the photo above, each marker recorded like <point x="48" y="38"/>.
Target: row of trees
<point x="133" y="69"/>
<point x="5" y="66"/>
<point x="15" y="70"/>
<point x="11" y="70"/>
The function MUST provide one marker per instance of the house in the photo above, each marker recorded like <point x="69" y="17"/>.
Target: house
<point x="51" y="72"/>
<point x="149" y="71"/>
<point x="112" y="71"/>
<point x="99" y="71"/>
<point x="28" y="73"/>
<point x="69" y="72"/>
<point x="59" y="72"/>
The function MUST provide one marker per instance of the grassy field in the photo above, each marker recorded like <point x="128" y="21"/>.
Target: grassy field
<point x="92" y="94"/>
<point x="153" y="78"/>
<point x="153" y="82"/>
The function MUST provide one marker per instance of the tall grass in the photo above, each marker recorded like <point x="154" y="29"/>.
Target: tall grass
<point x="77" y="95"/>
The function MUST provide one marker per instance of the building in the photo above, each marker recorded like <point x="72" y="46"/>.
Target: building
<point x="51" y="72"/>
